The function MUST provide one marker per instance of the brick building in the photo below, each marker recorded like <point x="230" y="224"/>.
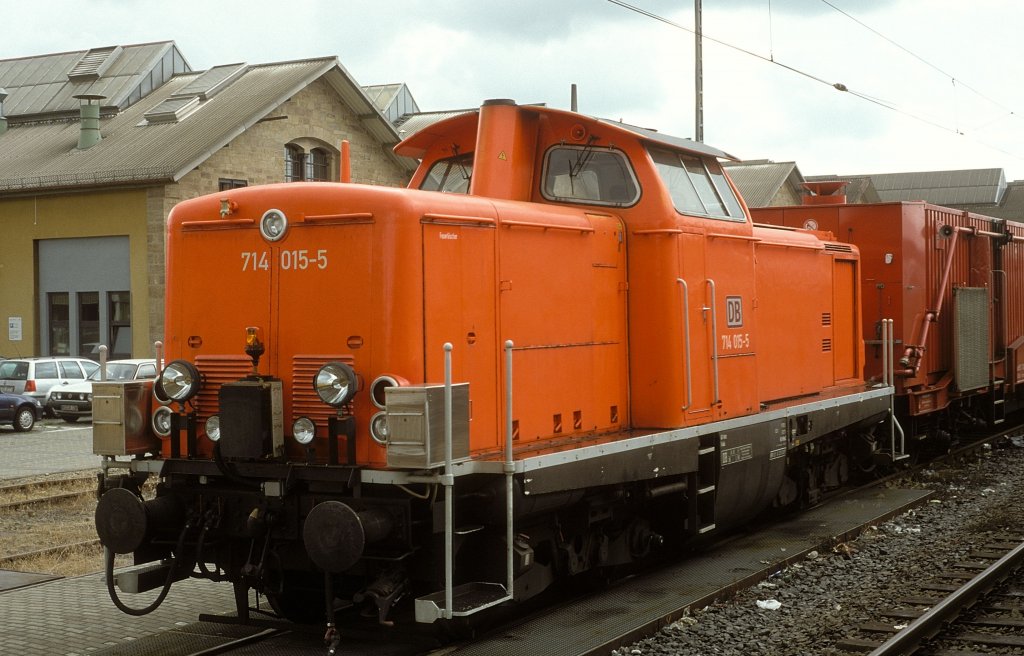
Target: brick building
<point x="97" y="146"/>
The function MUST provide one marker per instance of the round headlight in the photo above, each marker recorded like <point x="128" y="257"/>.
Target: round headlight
<point x="179" y="381"/>
<point x="273" y="225"/>
<point x="379" y="428"/>
<point x="303" y="430"/>
<point x="213" y="428"/>
<point x="162" y="421"/>
<point x="336" y="384"/>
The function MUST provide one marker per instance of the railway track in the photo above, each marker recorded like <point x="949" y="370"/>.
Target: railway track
<point x="45" y="525"/>
<point x="970" y="609"/>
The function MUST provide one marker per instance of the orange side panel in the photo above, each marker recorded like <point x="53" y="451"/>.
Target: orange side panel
<point x="459" y="308"/>
<point x="845" y="345"/>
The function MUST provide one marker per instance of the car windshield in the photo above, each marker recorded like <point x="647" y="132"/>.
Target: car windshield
<point x="12" y="370"/>
<point x="116" y="371"/>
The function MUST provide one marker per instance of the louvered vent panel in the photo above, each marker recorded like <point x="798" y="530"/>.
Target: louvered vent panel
<point x="94" y="63"/>
<point x="838" y="248"/>
<point x="217" y="370"/>
<point x="826" y="318"/>
<point x="826" y="345"/>
<point x="305" y="402"/>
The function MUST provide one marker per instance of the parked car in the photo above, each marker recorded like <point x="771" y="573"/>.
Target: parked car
<point x="36" y="376"/>
<point x="74" y="401"/>
<point x="20" y="411"/>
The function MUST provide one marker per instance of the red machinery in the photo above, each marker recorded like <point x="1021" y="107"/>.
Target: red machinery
<point x="952" y="282"/>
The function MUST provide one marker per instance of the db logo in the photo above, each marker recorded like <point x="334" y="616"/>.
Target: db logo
<point x="734" y="311"/>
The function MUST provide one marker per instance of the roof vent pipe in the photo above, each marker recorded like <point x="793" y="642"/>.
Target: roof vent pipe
<point x="89" y="113"/>
<point x="3" y="119"/>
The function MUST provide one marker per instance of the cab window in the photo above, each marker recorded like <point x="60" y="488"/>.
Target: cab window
<point x="450" y="175"/>
<point x="584" y="174"/>
<point x="697" y="185"/>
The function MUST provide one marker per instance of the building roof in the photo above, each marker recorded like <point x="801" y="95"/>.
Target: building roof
<point x="172" y="130"/>
<point x="47" y="84"/>
<point x="409" y="124"/>
<point x="1011" y="205"/>
<point x="759" y="181"/>
<point x="950" y="188"/>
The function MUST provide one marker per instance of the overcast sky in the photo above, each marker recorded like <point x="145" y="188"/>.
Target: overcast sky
<point x="949" y="71"/>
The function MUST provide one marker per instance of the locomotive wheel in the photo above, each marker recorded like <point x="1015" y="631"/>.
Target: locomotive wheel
<point x="300" y="598"/>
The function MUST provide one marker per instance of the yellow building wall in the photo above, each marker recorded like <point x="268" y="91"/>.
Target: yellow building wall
<point x="25" y="220"/>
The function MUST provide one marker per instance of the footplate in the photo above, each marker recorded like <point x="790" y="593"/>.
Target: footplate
<point x="467" y="599"/>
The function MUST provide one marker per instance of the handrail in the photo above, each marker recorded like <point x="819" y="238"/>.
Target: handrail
<point x="714" y="336"/>
<point x="686" y="332"/>
<point x="889" y="379"/>
<point x="510" y="467"/>
<point x="448" y="482"/>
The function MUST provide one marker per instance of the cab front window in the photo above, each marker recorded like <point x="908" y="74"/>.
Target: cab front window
<point x="584" y="174"/>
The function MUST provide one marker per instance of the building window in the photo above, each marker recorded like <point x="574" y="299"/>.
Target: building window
<point x="120" y="319"/>
<point x="229" y="183"/>
<point x="294" y="161"/>
<point x="88" y="323"/>
<point x="318" y="165"/>
<point x="57" y="311"/>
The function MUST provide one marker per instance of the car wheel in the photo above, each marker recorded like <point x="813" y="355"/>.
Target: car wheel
<point x="69" y="418"/>
<point x="24" y="419"/>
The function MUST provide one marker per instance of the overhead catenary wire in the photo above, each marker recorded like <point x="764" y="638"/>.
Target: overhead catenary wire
<point x="839" y="86"/>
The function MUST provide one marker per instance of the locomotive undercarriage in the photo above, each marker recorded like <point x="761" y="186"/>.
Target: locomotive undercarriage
<point x="299" y="534"/>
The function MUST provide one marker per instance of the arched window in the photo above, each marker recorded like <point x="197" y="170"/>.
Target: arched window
<point x="318" y="165"/>
<point x="294" y="158"/>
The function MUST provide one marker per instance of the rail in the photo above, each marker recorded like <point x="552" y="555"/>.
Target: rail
<point x="933" y="620"/>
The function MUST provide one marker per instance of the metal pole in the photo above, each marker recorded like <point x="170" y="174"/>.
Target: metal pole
<point x="448" y="482"/>
<point x="698" y="78"/>
<point x="509" y="469"/>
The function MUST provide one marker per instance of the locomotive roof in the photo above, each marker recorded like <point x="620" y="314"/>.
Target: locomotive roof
<point x="417" y="145"/>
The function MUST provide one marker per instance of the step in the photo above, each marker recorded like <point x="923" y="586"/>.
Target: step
<point x="467" y="599"/>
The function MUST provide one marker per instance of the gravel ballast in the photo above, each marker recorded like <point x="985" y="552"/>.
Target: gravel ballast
<point x="806" y="608"/>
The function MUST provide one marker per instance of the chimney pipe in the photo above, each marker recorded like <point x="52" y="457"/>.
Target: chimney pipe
<point x="573" y="105"/>
<point x="3" y="119"/>
<point x="89" y="115"/>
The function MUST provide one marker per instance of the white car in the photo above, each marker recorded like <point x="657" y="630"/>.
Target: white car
<point x="72" y="402"/>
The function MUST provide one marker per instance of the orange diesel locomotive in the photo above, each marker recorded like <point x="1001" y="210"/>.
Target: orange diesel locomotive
<point x="563" y="348"/>
<point x="949" y="280"/>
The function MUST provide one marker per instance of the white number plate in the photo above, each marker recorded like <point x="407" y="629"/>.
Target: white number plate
<point x="69" y="408"/>
<point x="7" y="389"/>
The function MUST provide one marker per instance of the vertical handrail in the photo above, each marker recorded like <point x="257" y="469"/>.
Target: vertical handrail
<point x="714" y="337"/>
<point x="686" y="336"/>
<point x="509" y="470"/>
<point x="889" y="375"/>
<point x="448" y="481"/>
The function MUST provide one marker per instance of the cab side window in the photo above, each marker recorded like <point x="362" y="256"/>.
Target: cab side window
<point x="585" y="174"/>
<point x="697" y="185"/>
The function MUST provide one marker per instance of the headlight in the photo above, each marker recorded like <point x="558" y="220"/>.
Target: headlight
<point x="162" y="421"/>
<point x="273" y="225"/>
<point x="380" y="384"/>
<point x="88" y="397"/>
<point x="213" y="428"/>
<point x="179" y="381"/>
<point x="336" y="383"/>
<point x="379" y="428"/>
<point x="303" y="430"/>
